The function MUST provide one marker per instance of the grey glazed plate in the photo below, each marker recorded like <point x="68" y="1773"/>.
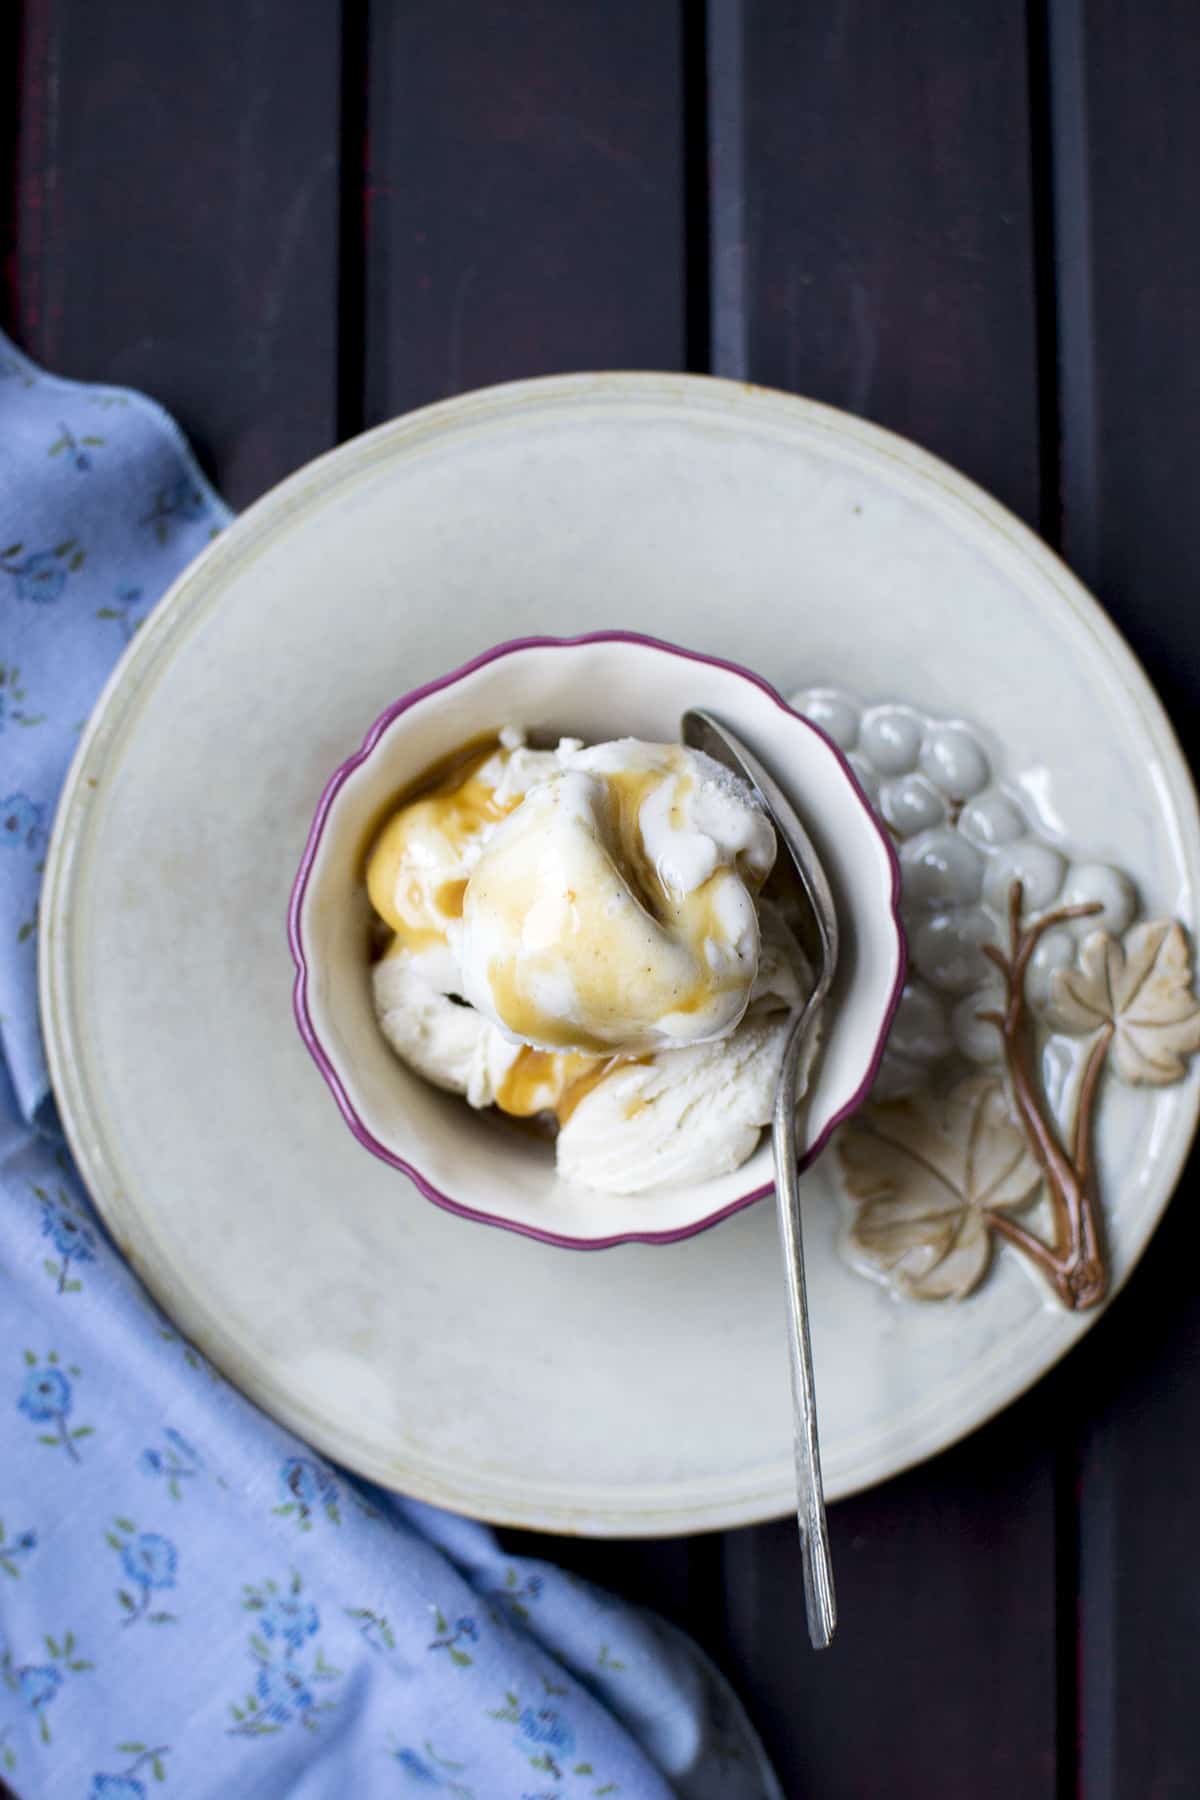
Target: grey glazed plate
<point x="636" y="1390"/>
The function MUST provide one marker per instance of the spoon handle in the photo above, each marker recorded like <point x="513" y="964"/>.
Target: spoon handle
<point x="819" y="1600"/>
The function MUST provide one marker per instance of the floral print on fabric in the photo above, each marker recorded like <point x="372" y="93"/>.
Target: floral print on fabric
<point x="451" y="1638"/>
<point x="13" y="1551"/>
<point x="40" y="576"/>
<point x="38" y="1683"/>
<point x="71" y="1237"/>
<point x="425" y="1768"/>
<point x="148" y="1565"/>
<point x="310" y="1492"/>
<point x="126" y="609"/>
<point x="47" y="1398"/>
<point x="518" y="1593"/>
<point x="22" y="823"/>
<point x="176" y="1463"/>
<point x="184" y="500"/>
<point x="293" y="1682"/>
<point x="129" y="1782"/>
<point x="14" y="700"/>
<point x="78" y="449"/>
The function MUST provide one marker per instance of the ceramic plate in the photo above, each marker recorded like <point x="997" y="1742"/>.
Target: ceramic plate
<point x="635" y="1390"/>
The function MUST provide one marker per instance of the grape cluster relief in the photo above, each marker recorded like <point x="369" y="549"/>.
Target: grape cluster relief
<point x="1030" y="979"/>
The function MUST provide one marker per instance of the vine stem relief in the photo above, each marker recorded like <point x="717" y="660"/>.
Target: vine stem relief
<point x="1075" y="1262"/>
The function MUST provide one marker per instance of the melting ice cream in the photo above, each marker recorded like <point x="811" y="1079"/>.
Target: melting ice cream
<point x="579" y="933"/>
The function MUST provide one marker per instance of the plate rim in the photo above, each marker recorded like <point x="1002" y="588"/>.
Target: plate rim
<point x="734" y="403"/>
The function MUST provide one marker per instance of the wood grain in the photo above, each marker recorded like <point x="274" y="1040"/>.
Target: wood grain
<point x="525" y="187"/>
<point x="177" y="216"/>
<point x="889" y="224"/>
<point x="1128" y="132"/>
<point x="941" y="1680"/>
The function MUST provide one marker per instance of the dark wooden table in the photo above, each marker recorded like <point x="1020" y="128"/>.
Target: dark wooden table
<point x="971" y="220"/>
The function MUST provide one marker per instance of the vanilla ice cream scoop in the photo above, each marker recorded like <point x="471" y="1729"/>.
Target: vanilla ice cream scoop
<point x="613" y="910"/>
<point x="418" y="867"/>
<point x="577" y="935"/>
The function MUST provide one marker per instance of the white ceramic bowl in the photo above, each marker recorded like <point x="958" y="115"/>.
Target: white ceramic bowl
<point x="607" y="685"/>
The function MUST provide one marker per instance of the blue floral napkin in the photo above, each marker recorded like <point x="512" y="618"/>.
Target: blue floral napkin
<point x="188" y="1595"/>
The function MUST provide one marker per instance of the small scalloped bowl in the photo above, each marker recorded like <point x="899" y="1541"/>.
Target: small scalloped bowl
<point x="611" y="684"/>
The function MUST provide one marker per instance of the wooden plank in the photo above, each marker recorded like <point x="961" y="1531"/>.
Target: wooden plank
<point x="1142" y="143"/>
<point x="941" y="1677"/>
<point x="525" y="195"/>
<point x="888" y="266"/>
<point x="177" y="216"/>
<point x="889" y="224"/>
<point x="1125" y="80"/>
<point x="10" y="88"/>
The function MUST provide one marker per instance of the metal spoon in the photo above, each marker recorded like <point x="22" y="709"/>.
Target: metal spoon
<point x="815" y="923"/>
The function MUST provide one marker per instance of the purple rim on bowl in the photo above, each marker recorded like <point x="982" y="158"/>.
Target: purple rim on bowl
<point x="325" y="1064"/>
